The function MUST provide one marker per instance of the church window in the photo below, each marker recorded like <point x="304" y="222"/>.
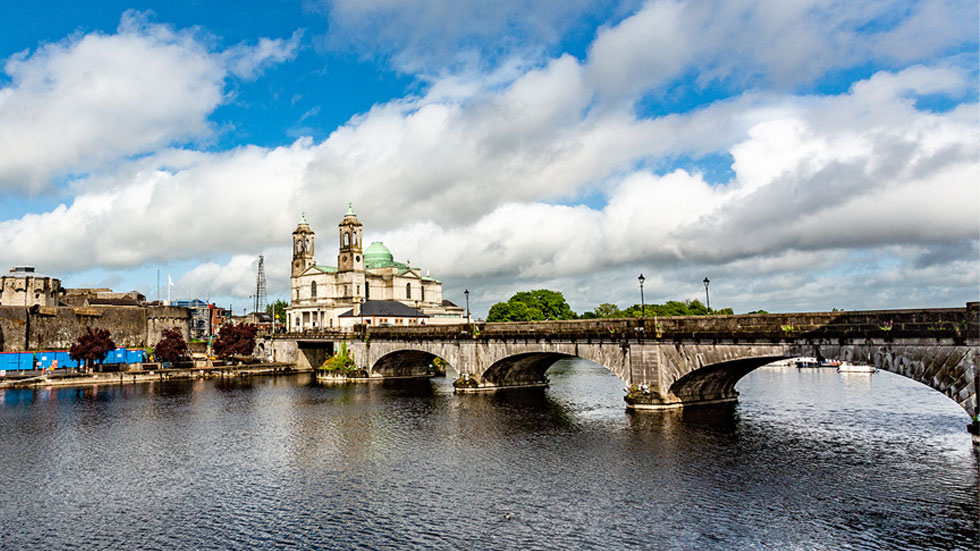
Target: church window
<point x="313" y="289"/>
<point x="367" y="290"/>
<point x="422" y="291"/>
<point x="408" y="290"/>
<point x="358" y="288"/>
<point x="346" y="288"/>
<point x="346" y="239"/>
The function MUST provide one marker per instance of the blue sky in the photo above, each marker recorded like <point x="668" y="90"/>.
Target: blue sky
<point x="804" y="155"/>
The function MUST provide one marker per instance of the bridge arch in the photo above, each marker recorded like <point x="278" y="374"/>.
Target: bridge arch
<point x="405" y="363"/>
<point x="522" y="369"/>
<point x="715" y="382"/>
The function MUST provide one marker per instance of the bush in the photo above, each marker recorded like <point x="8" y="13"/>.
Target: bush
<point x="342" y="363"/>
<point x="235" y="340"/>
<point x="92" y="346"/>
<point x="171" y="347"/>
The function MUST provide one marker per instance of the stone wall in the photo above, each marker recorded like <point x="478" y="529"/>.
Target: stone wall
<point x="57" y="328"/>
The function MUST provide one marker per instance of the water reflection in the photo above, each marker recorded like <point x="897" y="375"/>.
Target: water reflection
<point x="805" y="460"/>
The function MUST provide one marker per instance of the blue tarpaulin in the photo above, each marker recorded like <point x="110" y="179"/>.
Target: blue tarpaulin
<point x="17" y="361"/>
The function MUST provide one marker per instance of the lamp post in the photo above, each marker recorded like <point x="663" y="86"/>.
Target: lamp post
<point x="467" y="293"/>
<point x="642" y="304"/>
<point x="706" y="299"/>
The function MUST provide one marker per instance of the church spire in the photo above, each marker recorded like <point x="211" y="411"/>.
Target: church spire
<point x="350" y="255"/>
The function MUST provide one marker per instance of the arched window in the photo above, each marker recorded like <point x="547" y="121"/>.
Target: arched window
<point x="346" y="239"/>
<point x="408" y="290"/>
<point x="313" y="289"/>
<point x="367" y="291"/>
<point x="422" y="292"/>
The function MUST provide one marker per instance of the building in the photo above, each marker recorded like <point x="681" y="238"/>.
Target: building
<point x="25" y="287"/>
<point x="382" y="313"/>
<point x="320" y="294"/>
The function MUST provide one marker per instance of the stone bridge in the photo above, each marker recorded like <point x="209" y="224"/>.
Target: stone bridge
<point x="675" y="361"/>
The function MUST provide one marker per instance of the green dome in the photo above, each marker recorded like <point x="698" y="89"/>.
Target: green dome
<point x="377" y="256"/>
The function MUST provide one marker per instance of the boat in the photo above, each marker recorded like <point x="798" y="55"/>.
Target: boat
<point x="829" y="363"/>
<point x="807" y="362"/>
<point x="848" y="367"/>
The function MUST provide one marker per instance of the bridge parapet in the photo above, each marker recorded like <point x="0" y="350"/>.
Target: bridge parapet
<point x="954" y="324"/>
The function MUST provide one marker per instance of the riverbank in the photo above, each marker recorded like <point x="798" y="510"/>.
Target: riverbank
<point x="55" y="379"/>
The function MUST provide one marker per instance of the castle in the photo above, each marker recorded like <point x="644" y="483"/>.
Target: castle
<point x="366" y="287"/>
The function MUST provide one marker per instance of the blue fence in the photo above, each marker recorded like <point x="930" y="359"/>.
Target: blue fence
<point x="17" y="361"/>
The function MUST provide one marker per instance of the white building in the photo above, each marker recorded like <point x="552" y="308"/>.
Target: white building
<point x="319" y="295"/>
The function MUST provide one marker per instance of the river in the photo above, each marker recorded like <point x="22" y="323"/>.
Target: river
<point x="807" y="459"/>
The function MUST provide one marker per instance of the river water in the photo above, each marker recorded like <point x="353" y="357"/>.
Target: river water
<point x="808" y="459"/>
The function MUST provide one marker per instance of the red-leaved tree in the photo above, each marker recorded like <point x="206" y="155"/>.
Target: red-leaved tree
<point x="171" y="347"/>
<point x="235" y="340"/>
<point x="92" y="346"/>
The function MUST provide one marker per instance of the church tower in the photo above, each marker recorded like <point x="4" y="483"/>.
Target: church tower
<point x="351" y="256"/>
<point x="302" y="247"/>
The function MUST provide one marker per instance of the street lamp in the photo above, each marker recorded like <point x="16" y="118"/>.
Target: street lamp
<point x="642" y="304"/>
<point x="467" y="293"/>
<point x="706" y="299"/>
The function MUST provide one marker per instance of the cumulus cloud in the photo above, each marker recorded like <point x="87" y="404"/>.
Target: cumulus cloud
<point x="480" y="179"/>
<point x="75" y="105"/>
<point x="770" y="42"/>
<point x="470" y="198"/>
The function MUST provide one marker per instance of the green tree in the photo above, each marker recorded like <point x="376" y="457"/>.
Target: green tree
<point x="537" y="305"/>
<point x="607" y="310"/>
<point x="278" y="309"/>
<point x="674" y="308"/>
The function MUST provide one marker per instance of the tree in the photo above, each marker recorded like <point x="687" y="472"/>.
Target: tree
<point x="607" y="310"/>
<point x="278" y="310"/>
<point x="235" y="340"/>
<point x="92" y="346"/>
<point x="537" y="305"/>
<point x="171" y="347"/>
<point x="669" y="308"/>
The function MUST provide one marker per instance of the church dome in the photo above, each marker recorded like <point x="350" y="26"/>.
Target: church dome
<point x="377" y="256"/>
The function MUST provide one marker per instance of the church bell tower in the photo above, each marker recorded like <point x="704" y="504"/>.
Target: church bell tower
<point x="302" y="247"/>
<point x="351" y="256"/>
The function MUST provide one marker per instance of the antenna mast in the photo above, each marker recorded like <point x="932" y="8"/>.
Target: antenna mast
<point x="260" y="287"/>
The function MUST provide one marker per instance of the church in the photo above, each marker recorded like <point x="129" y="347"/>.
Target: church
<point x="365" y="287"/>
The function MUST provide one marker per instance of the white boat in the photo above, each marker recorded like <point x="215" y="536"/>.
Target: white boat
<point x="807" y="362"/>
<point x="848" y="367"/>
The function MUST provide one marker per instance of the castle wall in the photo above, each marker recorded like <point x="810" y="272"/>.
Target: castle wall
<point x="57" y="328"/>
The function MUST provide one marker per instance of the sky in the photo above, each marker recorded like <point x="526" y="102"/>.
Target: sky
<point x="803" y="155"/>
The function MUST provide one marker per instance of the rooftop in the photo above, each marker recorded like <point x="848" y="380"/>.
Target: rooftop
<point x="385" y="308"/>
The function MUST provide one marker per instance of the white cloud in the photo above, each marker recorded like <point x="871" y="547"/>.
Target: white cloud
<point x="770" y="42"/>
<point x="76" y="105"/>
<point x="480" y="178"/>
